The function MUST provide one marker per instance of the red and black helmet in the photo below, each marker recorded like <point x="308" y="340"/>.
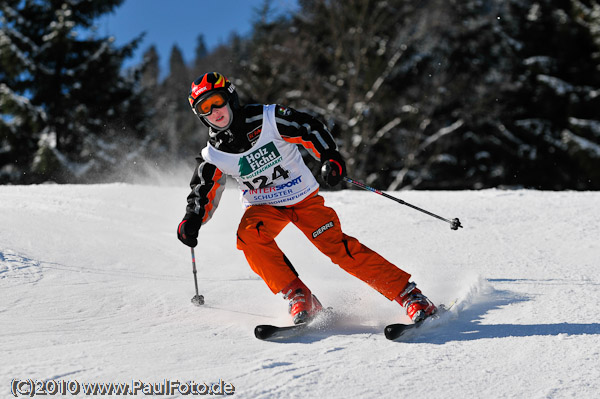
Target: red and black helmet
<point x="207" y="85"/>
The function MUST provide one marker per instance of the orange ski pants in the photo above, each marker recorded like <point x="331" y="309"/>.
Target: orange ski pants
<point x="262" y="223"/>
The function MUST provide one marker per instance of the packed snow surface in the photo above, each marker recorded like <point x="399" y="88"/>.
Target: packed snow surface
<point x="95" y="287"/>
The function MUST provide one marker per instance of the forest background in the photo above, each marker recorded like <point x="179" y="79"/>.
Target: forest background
<point x="430" y="94"/>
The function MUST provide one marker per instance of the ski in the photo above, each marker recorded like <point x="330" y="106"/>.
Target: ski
<point x="268" y="331"/>
<point x="396" y="330"/>
<point x="271" y="332"/>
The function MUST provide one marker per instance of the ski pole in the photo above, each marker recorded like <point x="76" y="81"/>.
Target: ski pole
<point x="454" y="223"/>
<point x="197" y="299"/>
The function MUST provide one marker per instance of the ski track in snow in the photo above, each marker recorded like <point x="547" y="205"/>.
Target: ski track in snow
<point x="95" y="287"/>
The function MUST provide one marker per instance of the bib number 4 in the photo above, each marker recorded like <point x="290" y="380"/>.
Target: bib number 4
<point x="264" y="181"/>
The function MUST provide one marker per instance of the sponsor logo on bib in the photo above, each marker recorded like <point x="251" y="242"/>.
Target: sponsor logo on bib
<point x="259" y="160"/>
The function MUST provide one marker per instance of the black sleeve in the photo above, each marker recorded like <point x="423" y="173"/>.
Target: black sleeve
<point x="207" y="185"/>
<point x="301" y="128"/>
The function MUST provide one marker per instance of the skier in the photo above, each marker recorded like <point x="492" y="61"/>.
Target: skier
<point x="257" y="145"/>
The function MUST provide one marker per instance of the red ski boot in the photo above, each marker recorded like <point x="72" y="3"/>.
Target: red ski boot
<point x="418" y="306"/>
<point x="303" y="304"/>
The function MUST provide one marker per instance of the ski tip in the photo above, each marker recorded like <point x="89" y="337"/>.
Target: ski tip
<point x="388" y="331"/>
<point x="394" y="331"/>
<point x="269" y="332"/>
<point x="264" y="331"/>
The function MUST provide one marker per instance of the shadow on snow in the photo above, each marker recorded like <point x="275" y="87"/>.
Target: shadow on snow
<point x="465" y="325"/>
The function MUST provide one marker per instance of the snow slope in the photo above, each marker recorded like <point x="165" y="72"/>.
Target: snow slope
<point x="95" y="287"/>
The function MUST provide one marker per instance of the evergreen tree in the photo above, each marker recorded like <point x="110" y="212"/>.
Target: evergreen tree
<point x="201" y="50"/>
<point x="331" y="59"/>
<point x="175" y="121"/>
<point x="504" y="97"/>
<point x="555" y="106"/>
<point x="442" y="93"/>
<point x="151" y="71"/>
<point x="457" y="64"/>
<point x="68" y="112"/>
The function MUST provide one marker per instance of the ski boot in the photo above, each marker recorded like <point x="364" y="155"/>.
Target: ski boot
<point x="303" y="305"/>
<point x="418" y="306"/>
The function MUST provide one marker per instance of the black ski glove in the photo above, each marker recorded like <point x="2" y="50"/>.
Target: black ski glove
<point x="333" y="168"/>
<point x="187" y="232"/>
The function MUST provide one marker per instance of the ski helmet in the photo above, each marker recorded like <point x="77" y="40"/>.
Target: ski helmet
<point x="209" y="85"/>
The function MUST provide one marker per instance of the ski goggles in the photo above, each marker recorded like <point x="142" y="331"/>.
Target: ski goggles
<point x="206" y="105"/>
